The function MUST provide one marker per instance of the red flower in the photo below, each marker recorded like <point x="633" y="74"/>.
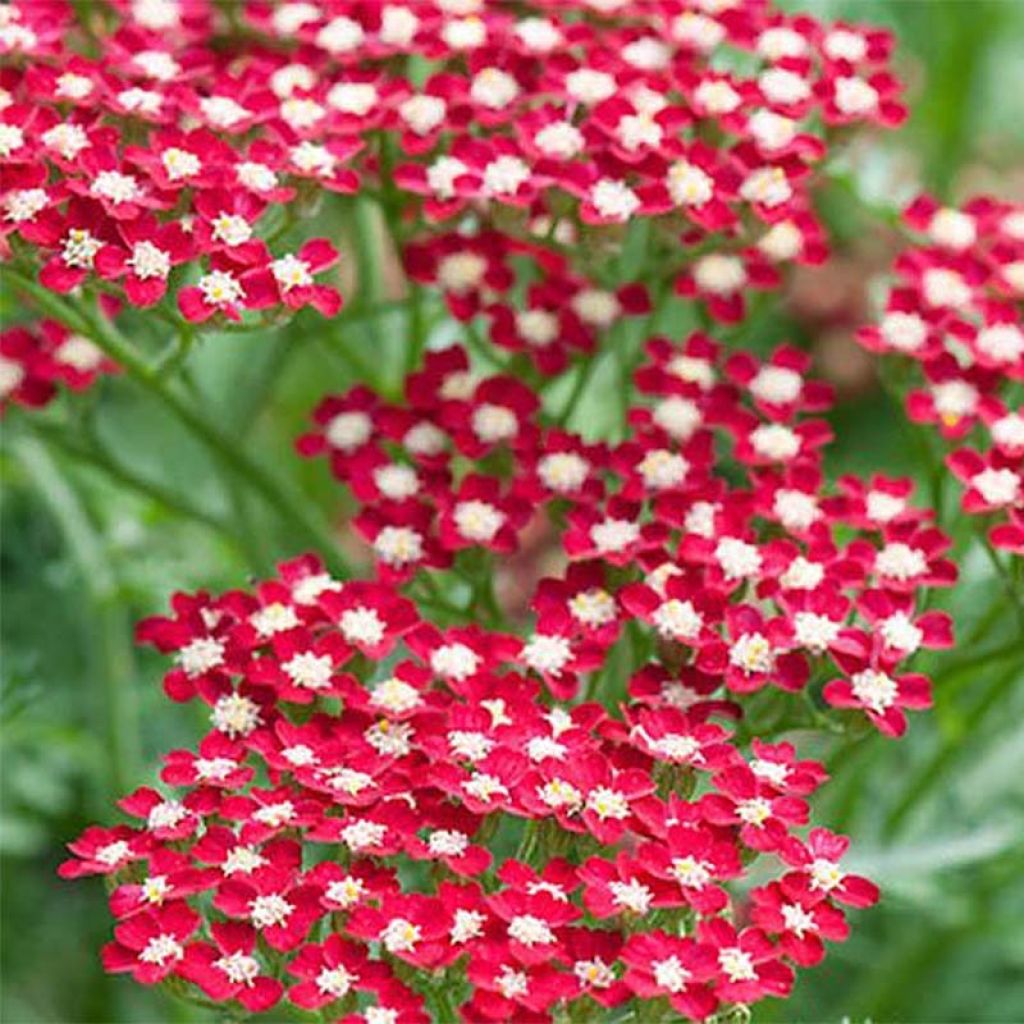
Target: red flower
<point x="151" y="946"/>
<point x="229" y="968"/>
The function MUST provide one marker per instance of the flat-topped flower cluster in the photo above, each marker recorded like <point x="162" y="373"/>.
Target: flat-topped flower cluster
<point x="142" y="154"/>
<point x="954" y="311"/>
<point x="415" y="801"/>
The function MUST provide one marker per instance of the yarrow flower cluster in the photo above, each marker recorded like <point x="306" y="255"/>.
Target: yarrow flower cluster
<point x="416" y="800"/>
<point x="36" y="360"/>
<point x="165" y="165"/>
<point x="954" y="314"/>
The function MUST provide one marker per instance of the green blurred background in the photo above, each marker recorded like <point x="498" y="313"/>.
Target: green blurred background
<point x="938" y="818"/>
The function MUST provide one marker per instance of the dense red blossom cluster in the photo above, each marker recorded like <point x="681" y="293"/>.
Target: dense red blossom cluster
<point x="170" y="160"/>
<point x="408" y="805"/>
<point x="955" y="313"/>
<point x="385" y="810"/>
<point x="36" y="359"/>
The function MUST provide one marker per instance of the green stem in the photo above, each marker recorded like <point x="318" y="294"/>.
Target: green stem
<point x="586" y="371"/>
<point x="1006" y="578"/>
<point x="102" y="459"/>
<point x="292" y="508"/>
<point x="108" y="627"/>
<point x="935" y="769"/>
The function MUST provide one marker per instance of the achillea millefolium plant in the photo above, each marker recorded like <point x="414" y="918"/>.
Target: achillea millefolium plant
<point x="414" y="802"/>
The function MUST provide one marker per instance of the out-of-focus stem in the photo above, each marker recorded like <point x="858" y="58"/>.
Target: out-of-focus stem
<point x="107" y="626"/>
<point x="291" y="508"/>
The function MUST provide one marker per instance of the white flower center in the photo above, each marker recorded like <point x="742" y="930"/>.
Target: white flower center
<point x="274" y="618"/>
<point x="900" y="632"/>
<point x="398" y="545"/>
<point x="113" y="853"/>
<point x="1008" y="431"/>
<point x="362" y="625"/>
<point x="784" y="87"/>
<point x="855" y="96"/>
<point x="586" y="85"/>
<point x="160" y="949"/>
<point x="717" y="98"/>
<point x="563" y="472"/>
<point x="775" y="441"/>
<point x="494" y="423"/>
<point x="752" y="652"/>
<point x="537" y="326"/>
<point x="244" y="860"/>
<point x="796" y="510"/>
<point x="633" y="895"/>
<point x="423" y="113"/>
<point x="221" y="288"/>
<point x="24" y="203"/>
<point x="1002" y="343"/>
<point x="776" y="384"/>
<point x="944" y="287"/>
<point x="470" y="746"/>
<point x="614" y="534"/>
<point x="814" y="631"/>
<point x="899" y="561"/>
<point x="593" y="607"/>
<point x="493" y="88"/>
<point x="361" y="835"/>
<point x="442" y="175"/>
<point x="308" y="670"/>
<point x="168" y="814"/>
<point x="291" y="272"/>
<point x="607" y="803"/>
<point x="400" y="935"/>
<point x="875" y="690"/>
<point x="340" y="35"/>
<point x="677" y="620"/>
<point x="771" y="131"/>
<point x="478" y="521"/>
<point x="670" y="974"/>
<point x="954" y="399"/>
<point x="349" y="430"/>
<point x="802" y="574"/>
<point x="201" y="655"/>
<point x="736" y="964"/>
<point x="614" y="199"/>
<point x="997" y="486"/>
<point x="356" y="98"/>
<point x="269" y="911"/>
<point x="768" y="186"/>
<point x="346" y="892"/>
<point x="662" y="469"/>
<point x="778" y="42"/>
<point x="905" y="332"/>
<point x="738" y="559"/>
<point x="691" y="872"/>
<point x="256" y="176"/>
<point x="461" y="272"/>
<point x="883" y="507"/>
<point x="547" y="654"/>
<point x="559" y="140"/>
<point x="455" y="661"/>
<point x="678" y="417"/>
<point x="240" y="968"/>
<point x="718" y="274"/>
<point x="79" y="248"/>
<point x="530" y="931"/>
<point x="275" y="815"/>
<point x="222" y="111"/>
<point x="512" y="983"/>
<point x="180" y="163"/>
<point x="235" y="715"/>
